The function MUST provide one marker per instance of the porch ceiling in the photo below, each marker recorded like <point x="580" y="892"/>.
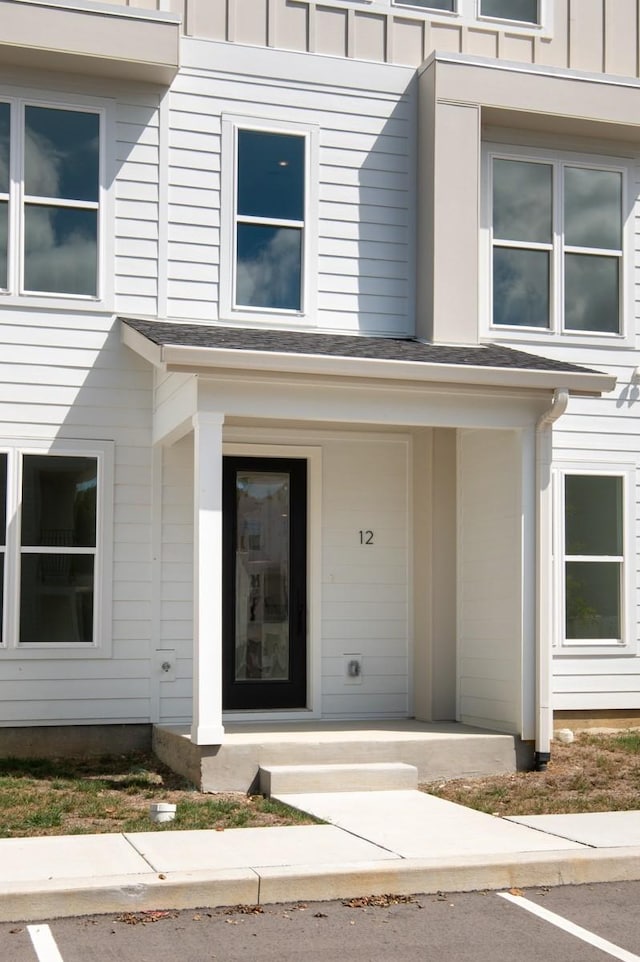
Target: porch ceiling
<point x="197" y="348"/>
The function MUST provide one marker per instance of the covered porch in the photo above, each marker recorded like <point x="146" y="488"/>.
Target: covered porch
<point x="425" y="527"/>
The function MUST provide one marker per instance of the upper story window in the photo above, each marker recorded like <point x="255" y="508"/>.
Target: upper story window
<point x="50" y="193"/>
<point x="269" y="220"/>
<point x="522" y="11"/>
<point x="267" y="260"/>
<point x="558" y="229"/>
<point x="518" y="15"/>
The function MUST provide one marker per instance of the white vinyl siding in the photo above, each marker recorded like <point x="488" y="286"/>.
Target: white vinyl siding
<point x="137" y="205"/>
<point x="364" y="589"/>
<point x="364" y="212"/>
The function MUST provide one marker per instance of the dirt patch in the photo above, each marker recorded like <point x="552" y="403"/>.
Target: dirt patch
<point x="596" y="773"/>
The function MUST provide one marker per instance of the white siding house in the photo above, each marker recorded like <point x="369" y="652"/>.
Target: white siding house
<point x="318" y="373"/>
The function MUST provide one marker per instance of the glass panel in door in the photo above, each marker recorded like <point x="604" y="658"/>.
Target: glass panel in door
<point x="264" y="575"/>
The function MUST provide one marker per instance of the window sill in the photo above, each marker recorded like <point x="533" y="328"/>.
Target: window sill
<point x="58" y="302"/>
<point x="611" y="650"/>
<point x="54" y="651"/>
<point x="540" y="336"/>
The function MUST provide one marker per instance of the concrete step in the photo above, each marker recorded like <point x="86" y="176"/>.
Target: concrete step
<point x="298" y="779"/>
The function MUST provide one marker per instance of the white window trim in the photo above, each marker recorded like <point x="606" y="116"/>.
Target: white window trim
<point x="18" y="99"/>
<point x="101" y="647"/>
<point x="307" y="316"/>
<point x="467" y="13"/>
<point x="627" y="645"/>
<point x="557" y="158"/>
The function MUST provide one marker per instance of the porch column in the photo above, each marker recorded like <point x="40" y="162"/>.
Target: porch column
<point x="206" y="725"/>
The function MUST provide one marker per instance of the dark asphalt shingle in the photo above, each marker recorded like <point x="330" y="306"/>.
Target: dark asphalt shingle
<point x="345" y="346"/>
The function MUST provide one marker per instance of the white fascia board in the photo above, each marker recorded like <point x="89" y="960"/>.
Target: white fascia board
<point x="537" y="70"/>
<point x="141" y="345"/>
<point x="215" y="56"/>
<point x="184" y="358"/>
<point x="109" y="9"/>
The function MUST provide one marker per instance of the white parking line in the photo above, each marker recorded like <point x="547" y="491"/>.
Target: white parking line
<point x="571" y="928"/>
<point x="44" y="943"/>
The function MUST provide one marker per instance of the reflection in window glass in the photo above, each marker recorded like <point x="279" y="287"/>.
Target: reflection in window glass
<point x="525" y="11"/>
<point x="270" y="208"/>
<point x="592" y="293"/>
<point x="60" y="250"/>
<point x="593" y="208"/>
<point x="5" y="120"/>
<point x="270" y="175"/>
<point x="593" y="592"/>
<point x="61" y="153"/>
<point x="269" y="266"/>
<point x="520" y="287"/>
<point x="3" y="500"/>
<point x="522" y="201"/>
<point x="58" y="513"/>
<point x="594" y="557"/>
<point x="56" y="598"/>
<point x="59" y="501"/>
<point x="593" y="514"/>
<point x="4" y="242"/>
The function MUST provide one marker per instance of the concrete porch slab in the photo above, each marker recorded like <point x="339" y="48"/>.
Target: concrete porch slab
<point x="437" y="750"/>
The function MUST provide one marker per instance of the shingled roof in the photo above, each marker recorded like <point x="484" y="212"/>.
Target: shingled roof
<point x="164" y="333"/>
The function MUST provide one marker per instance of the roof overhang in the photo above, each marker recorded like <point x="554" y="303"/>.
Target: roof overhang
<point x="81" y="36"/>
<point x="203" y="360"/>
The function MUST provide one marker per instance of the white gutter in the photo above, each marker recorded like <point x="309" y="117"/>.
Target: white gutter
<point x="544" y="578"/>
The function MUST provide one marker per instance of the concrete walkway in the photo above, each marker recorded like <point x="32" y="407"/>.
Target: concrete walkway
<point x="397" y="842"/>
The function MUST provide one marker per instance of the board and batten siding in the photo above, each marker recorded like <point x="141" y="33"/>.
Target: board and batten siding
<point x="489" y="580"/>
<point x="365" y="588"/>
<point x="599" y="36"/>
<point x="364" y="222"/>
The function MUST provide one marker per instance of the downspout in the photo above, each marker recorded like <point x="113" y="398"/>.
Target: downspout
<point x="544" y="585"/>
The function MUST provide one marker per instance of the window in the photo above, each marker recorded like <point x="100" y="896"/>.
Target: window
<point x="52" y="548"/>
<point x="448" y="5"/>
<point x="557" y="239"/>
<point x="523" y="11"/>
<point x="594" y="567"/>
<point x="267" y="250"/>
<point x="50" y="160"/>
<point x="525" y="17"/>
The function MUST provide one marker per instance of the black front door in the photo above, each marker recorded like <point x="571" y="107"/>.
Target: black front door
<point x="264" y="583"/>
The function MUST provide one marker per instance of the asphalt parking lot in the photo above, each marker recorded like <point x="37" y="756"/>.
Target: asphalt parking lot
<point x="586" y="923"/>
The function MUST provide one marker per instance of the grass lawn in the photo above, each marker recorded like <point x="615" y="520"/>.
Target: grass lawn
<point x="596" y="773"/>
<point x="113" y="794"/>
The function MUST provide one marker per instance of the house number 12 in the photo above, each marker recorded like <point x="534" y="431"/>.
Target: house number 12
<point x="366" y="537"/>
